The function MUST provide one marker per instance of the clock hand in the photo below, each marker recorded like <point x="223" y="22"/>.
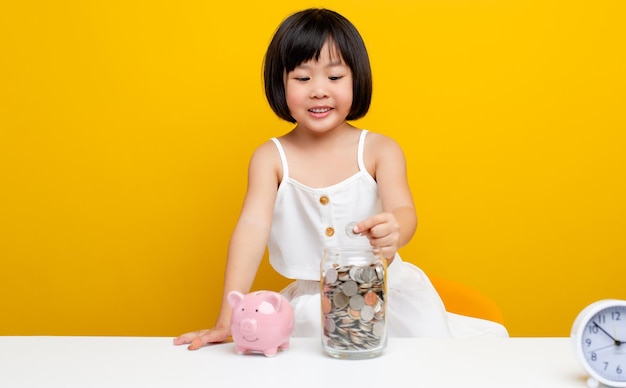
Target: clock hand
<point x="600" y="348"/>
<point x="615" y="341"/>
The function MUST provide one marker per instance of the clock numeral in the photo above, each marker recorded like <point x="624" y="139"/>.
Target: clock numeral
<point x="593" y="329"/>
<point x="588" y="342"/>
<point x="601" y="318"/>
<point x="594" y="357"/>
<point x="616" y="316"/>
<point x="618" y="369"/>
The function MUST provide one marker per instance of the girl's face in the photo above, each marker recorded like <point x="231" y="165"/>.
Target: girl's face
<point x="319" y="93"/>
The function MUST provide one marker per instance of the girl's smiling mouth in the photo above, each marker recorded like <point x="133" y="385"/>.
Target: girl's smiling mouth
<point x="320" y="110"/>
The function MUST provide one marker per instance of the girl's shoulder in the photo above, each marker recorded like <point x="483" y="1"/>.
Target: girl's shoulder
<point x="380" y="144"/>
<point x="266" y="148"/>
<point x="266" y="158"/>
<point x="266" y="152"/>
<point x="378" y="137"/>
<point x="382" y="155"/>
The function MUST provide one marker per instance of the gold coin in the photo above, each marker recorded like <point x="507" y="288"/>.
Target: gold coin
<point x="340" y="300"/>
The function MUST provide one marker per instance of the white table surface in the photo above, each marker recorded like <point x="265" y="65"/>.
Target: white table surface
<point x="155" y="362"/>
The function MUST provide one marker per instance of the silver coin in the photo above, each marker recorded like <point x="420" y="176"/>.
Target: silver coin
<point x="350" y="230"/>
<point x="331" y="275"/>
<point x="379" y="329"/>
<point x="350" y="288"/>
<point x="355" y="273"/>
<point x="367" y="313"/>
<point x="380" y="272"/>
<point x="357" y="302"/>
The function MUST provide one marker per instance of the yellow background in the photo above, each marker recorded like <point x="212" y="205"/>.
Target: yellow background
<point x="126" y="128"/>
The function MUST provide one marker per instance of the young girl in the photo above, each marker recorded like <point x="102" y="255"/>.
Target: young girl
<point x="307" y="186"/>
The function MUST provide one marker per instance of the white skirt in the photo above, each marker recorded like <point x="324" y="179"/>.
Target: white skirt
<point x="414" y="309"/>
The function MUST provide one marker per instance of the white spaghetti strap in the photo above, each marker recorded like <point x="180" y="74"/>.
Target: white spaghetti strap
<point x="360" y="150"/>
<point x="283" y="158"/>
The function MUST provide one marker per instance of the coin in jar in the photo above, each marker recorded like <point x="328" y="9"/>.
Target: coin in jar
<point x="350" y="288"/>
<point x="326" y="304"/>
<point x="357" y="301"/>
<point x="379" y="329"/>
<point x="329" y="325"/>
<point x="340" y="300"/>
<point x="367" y="313"/>
<point x="331" y="275"/>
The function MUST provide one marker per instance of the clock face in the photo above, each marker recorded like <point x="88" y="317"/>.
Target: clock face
<point x="603" y="343"/>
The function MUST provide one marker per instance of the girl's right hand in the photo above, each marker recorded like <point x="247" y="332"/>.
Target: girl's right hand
<point x="200" y="338"/>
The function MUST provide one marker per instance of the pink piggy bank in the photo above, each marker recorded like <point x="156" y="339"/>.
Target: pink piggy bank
<point x="262" y="322"/>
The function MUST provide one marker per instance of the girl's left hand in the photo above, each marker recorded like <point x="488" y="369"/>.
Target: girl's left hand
<point x="383" y="231"/>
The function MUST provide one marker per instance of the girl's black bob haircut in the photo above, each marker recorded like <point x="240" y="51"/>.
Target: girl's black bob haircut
<point x="300" y="38"/>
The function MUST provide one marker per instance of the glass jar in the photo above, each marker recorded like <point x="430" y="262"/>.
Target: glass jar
<point x="354" y="298"/>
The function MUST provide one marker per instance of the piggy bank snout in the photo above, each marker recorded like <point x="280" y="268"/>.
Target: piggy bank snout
<point x="248" y="326"/>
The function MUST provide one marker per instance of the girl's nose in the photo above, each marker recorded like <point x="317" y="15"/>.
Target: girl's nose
<point x="318" y="90"/>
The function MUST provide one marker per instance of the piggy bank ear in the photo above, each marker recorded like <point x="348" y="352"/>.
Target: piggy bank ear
<point x="234" y="297"/>
<point x="271" y="302"/>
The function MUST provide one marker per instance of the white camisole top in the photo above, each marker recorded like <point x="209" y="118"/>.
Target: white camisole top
<point x="307" y="219"/>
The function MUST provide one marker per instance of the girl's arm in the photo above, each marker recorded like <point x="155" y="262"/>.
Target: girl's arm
<point x="247" y="243"/>
<point x="396" y="225"/>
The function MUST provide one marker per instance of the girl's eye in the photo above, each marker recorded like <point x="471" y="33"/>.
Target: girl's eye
<point x="335" y="78"/>
<point x="302" y="79"/>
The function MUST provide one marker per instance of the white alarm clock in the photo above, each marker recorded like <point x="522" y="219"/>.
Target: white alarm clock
<point x="599" y="337"/>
